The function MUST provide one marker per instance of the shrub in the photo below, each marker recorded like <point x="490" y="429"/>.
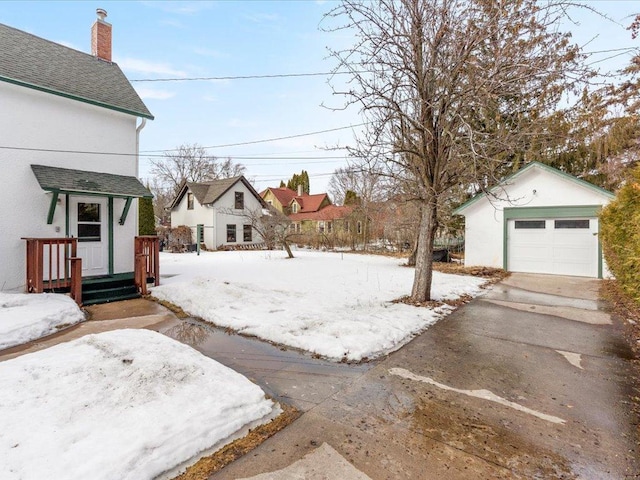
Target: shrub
<point x="620" y="230"/>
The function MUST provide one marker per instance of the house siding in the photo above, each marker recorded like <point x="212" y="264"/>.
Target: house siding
<point x="38" y="120"/>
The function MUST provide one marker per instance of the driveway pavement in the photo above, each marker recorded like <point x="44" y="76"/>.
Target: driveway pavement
<point x="529" y="381"/>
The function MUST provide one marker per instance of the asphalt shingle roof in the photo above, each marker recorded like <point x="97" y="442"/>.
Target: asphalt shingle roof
<point x="37" y="63"/>
<point x="80" y="181"/>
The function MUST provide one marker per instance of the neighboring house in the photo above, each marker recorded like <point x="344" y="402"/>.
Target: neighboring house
<point x="539" y="220"/>
<point x="225" y="208"/>
<point x="314" y="215"/>
<point x="69" y="129"/>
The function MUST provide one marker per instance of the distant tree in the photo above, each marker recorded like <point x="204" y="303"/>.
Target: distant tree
<point x="351" y="198"/>
<point x="191" y="163"/>
<point x="282" y="184"/>
<point x="302" y="179"/>
<point x="146" y="217"/>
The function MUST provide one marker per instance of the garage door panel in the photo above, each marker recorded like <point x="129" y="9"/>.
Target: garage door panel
<point x="571" y="249"/>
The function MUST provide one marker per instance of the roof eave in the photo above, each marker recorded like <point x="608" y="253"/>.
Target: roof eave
<point x="75" y="97"/>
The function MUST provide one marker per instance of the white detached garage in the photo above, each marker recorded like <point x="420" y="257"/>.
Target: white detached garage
<point x="541" y="220"/>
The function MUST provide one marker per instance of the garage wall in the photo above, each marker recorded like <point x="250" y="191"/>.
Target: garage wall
<point x="534" y="186"/>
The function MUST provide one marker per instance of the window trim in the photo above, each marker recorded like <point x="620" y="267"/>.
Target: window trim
<point x="190" y="201"/>
<point x="578" y="224"/>
<point x="529" y="224"/>
<point x="238" y="200"/>
<point x="247" y="229"/>
<point x="232" y="233"/>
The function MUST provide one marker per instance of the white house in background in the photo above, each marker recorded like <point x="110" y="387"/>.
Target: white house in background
<point x="541" y="221"/>
<point x="69" y="131"/>
<point x="223" y="207"/>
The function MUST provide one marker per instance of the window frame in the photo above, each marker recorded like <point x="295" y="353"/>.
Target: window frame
<point x="529" y="224"/>
<point x="238" y="203"/>
<point x="190" y="201"/>
<point x="247" y="229"/>
<point x="232" y="233"/>
<point x="577" y="224"/>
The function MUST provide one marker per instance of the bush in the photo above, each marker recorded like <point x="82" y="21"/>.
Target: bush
<point x="179" y="238"/>
<point x="620" y="230"/>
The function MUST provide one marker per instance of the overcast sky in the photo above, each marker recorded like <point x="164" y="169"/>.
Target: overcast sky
<point x="183" y="39"/>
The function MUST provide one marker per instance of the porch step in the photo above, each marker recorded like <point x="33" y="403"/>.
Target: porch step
<point x="108" y="289"/>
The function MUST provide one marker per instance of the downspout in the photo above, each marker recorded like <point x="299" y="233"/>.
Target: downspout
<point x="138" y="130"/>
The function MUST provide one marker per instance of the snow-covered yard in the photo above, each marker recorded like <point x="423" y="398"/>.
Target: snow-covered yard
<point x="333" y="304"/>
<point x="28" y="317"/>
<point x="126" y="404"/>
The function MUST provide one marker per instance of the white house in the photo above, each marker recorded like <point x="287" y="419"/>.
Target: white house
<point x="69" y="127"/>
<point x="225" y="209"/>
<point x="539" y="220"/>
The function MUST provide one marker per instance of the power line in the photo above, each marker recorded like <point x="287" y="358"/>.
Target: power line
<point x="274" y="139"/>
<point x="244" y="77"/>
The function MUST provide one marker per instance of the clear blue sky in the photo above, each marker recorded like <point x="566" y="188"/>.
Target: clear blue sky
<point x="186" y="39"/>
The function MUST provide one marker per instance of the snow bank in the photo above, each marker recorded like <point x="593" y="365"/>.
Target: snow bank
<point x="25" y="317"/>
<point x="126" y="404"/>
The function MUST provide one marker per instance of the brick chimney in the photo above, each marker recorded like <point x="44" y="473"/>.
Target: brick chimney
<point x="101" y="37"/>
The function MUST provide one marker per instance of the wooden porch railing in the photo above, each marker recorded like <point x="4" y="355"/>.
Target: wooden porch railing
<point x="147" y="261"/>
<point x="52" y="263"/>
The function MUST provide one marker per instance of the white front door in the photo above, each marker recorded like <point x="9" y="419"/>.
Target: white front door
<point x="88" y="223"/>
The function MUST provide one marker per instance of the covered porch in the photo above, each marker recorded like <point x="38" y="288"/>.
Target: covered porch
<point x="99" y="257"/>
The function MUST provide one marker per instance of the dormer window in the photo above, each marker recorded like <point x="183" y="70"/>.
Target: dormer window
<point x="189" y="201"/>
<point x="294" y="207"/>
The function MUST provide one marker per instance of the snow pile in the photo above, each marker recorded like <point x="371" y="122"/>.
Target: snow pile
<point x="25" y="317"/>
<point x="336" y="305"/>
<point x="127" y="404"/>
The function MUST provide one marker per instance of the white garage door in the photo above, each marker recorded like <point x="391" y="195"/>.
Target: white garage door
<point x="557" y="246"/>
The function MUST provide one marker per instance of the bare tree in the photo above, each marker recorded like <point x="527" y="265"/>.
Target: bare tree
<point x="272" y="225"/>
<point x="191" y="163"/>
<point x="450" y="91"/>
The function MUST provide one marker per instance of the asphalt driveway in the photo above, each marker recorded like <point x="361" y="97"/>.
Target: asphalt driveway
<point x="532" y="380"/>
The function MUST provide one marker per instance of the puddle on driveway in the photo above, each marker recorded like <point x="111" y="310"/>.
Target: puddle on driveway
<point x="288" y="375"/>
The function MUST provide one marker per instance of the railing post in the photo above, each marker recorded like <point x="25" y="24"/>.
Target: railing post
<point x="140" y="274"/>
<point x="76" y="279"/>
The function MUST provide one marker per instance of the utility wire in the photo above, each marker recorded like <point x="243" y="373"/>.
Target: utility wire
<point x="253" y="142"/>
<point x="244" y="77"/>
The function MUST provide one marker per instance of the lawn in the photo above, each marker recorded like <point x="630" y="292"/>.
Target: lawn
<point x="336" y="305"/>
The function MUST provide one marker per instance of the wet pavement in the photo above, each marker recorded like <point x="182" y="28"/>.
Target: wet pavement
<point x="498" y="389"/>
<point x="285" y="374"/>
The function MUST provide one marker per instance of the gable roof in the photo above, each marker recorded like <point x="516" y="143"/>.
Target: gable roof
<point x="328" y="213"/>
<point x="310" y="203"/>
<point x="511" y="178"/>
<point x="209" y="192"/>
<point x="34" y="62"/>
<point x="66" y="180"/>
<point x="283" y="194"/>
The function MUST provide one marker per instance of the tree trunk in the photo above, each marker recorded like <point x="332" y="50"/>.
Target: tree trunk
<point x="286" y="246"/>
<point x="421" y="291"/>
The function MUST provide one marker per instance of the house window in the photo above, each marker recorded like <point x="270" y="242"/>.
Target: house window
<point x="231" y="233"/>
<point x="189" y="201"/>
<point x="294" y="207"/>
<point x="89" y="225"/>
<point x="292" y="227"/>
<point x="347" y="227"/>
<point x="529" y="224"/>
<point x="270" y="202"/>
<point x="359" y="228"/>
<point x="321" y="227"/>
<point x="246" y="233"/>
<point x="239" y="204"/>
<point x="329" y="227"/>
<point x="571" y="223"/>
<point x="298" y="227"/>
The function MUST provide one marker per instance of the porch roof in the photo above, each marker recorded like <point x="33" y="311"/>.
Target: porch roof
<point x="65" y="180"/>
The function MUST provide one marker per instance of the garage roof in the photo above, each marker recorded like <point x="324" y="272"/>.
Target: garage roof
<point x="529" y="166"/>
